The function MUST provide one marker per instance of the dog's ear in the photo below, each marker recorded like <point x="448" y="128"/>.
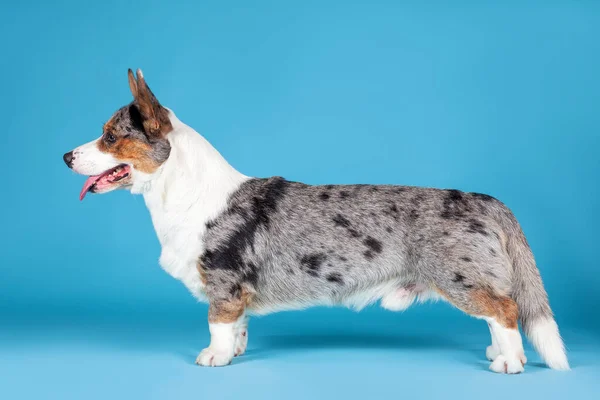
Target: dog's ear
<point x="155" y="117"/>
<point x="132" y="83"/>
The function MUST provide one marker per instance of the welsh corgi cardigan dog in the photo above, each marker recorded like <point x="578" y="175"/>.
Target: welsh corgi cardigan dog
<point x="257" y="245"/>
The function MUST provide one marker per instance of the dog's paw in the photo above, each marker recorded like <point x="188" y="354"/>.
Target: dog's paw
<point x="502" y="365"/>
<point x="241" y="342"/>
<point x="522" y="358"/>
<point x="492" y="352"/>
<point x="214" y="358"/>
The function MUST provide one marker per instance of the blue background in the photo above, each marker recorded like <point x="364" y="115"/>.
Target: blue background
<point x="494" y="97"/>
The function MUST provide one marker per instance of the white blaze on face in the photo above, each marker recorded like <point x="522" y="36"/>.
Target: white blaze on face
<point x="89" y="160"/>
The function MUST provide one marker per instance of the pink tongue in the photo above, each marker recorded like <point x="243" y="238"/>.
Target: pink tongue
<point x="87" y="185"/>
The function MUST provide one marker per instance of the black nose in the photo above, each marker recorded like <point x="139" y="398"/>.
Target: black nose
<point x="68" y="157"/>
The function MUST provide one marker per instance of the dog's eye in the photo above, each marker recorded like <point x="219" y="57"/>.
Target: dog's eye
<point x="110" y="138"/>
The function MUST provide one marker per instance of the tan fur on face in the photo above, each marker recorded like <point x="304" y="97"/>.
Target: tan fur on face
<point x="130" y="151"/>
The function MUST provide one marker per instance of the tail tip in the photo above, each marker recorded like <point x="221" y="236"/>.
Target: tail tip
<point x="561" y="366"/>
<point x="558" y="360"/>
<point x="547" y="341"/>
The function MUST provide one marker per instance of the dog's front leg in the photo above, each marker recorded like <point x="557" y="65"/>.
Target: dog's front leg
<point x="241" y="337"/>
<point x="224" y="320"/>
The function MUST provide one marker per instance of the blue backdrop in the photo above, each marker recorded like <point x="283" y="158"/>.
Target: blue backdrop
<point x="493" y="97"/>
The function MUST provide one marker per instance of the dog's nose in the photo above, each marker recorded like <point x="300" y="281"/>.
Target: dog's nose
<point x="68" y="157"/>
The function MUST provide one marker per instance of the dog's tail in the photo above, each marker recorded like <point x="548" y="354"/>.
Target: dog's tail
<point x="535" y="314"/>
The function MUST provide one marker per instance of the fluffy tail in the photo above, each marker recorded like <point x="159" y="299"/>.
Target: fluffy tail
<point x="535" y="314"/>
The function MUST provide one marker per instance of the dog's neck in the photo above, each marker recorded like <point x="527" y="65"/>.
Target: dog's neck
<point x="192" y="186"/>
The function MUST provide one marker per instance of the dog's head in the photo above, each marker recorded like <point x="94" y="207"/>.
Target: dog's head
<point x="132" y="146"/>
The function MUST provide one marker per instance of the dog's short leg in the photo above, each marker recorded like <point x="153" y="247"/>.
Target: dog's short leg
<point x="492" y="350"/>
<point x="501" y="314"/>
<point x="511" y="358"/>
<point x="224" y="319"/>
<point x="241" y="336"/>
<point x="220" y="351"/>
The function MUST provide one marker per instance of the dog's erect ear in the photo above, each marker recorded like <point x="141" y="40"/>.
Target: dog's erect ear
<point x="155" y="117"/>
<point x="132" y="83"/>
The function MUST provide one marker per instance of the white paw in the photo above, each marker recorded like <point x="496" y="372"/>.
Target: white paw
<point x="502" y="365"/>
<point x="492" y="352"/>
<point x="522" y="357"/>
<point x="241" y="342"/>
<point x="214" y="358"/>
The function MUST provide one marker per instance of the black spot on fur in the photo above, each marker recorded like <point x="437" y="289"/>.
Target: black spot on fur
<point x="373" y="244"/>
<point x="324" y="196"/>
<point x="235" y="290"/>
<point x="413" y="216"/>
<point x="340" y="220"/>
<point x="476" y="226"/>
<point x="482" y="196"/>
<point x="466" y="259"/>
<point x="342" y="258"/>
<point x="445" y="233"/>
<point x="230" y="255"/>
<point x="458" y="277"/>
<point x="354" y="233"/>
<point x="374" y="189"/>
<point x="399" y="190"/>
<point x="369" y="255"/>
<point x="344" y="194"/>
<point x="492" y="251"/>
<point x="335" y="277"/>
<point x="392" y="211"/>
<point x="312" y="263"/>
<point x="389" y="230"/>
<point x="250" y="274"/>
<point x="211" y="224"/>
<point x="454" y="205"/>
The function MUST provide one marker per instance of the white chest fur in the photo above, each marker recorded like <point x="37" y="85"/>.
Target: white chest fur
<point x="187" y="191"/>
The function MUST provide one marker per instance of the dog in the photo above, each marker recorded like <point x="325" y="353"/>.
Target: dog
<point x="258" y="245"/>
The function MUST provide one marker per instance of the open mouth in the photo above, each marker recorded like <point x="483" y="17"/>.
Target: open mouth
<point x="106" y="181"/>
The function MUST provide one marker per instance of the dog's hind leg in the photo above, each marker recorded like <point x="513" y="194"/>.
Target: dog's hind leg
<point x="493" y="350"/>
<point x="501" y="314"/>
